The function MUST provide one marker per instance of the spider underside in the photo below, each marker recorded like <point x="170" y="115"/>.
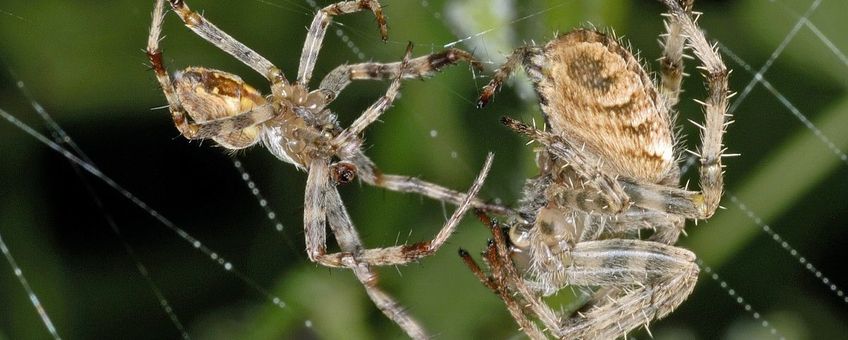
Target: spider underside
<point x="607" y="207"/>
<point x="296" y="126"/>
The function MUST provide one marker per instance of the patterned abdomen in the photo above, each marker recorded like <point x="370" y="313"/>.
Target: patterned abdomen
<point x="594" y="91"/>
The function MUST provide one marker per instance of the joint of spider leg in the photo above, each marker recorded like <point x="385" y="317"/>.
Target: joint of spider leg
<point x="417" y="250"/>
<point x="342" y="172"/>
<point x="277" y="77"/>
<point x="487" y="94"/>
<point x="156" y="63"/>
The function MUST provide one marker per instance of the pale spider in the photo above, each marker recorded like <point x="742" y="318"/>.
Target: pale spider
<point x="605" y="211"/>
<point x="295" y="125"/>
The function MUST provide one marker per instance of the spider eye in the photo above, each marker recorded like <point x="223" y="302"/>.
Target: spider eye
<point x="343" y="172"/>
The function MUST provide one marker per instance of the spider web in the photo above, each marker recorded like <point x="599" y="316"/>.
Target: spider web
<point x="783" y="195"/>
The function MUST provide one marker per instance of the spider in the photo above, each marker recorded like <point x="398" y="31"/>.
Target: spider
<point x="607" y="207"/>
<point x="294" y="124"/>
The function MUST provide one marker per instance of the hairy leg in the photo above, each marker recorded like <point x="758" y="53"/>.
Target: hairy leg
<point x="318" y="28"/>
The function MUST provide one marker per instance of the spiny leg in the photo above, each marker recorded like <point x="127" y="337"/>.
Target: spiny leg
<point x="314" y="215"/>
<point x="667" y="228"/>
<point x="498" y="282"/>
<point x="508" y="276"/>
<point x="696" y="205"/>
<point x="711" y="172"/>
<point x="348" y="141"/>
<point x="391" y="308"/>
<point x="614" y="195"/>
<point x="154" y="54"/>
<point x="194" y="130"/>
<point x="398" y="255"/>
<point x="671" y="62"/>
<point x="318" y="28"/>
<point x="322" y="205"/>
<point x="421" y="67"/>
<point x="224" y="126"/>
<point x="368" y="173"/>
<point x="352" y="256"/>
<point x="649" y="280"/>
<point x="225" y="42"/>
<point x="516" y="58"/>
<point x="597" y="192"/>
<point x="496" y="285"/>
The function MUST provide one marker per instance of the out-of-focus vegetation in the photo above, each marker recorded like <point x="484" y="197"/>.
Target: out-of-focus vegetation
<point x="82" y="60"/>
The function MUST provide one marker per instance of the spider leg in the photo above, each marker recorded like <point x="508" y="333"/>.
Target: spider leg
<point x="419" y="68"/>
<point x="404" y="254"/>
<point x="154" y="54"/>
<point x="498" y="285"/>
<point x="324" y="205"/>
<point x="697" y="205"/>
<point x="223" y="126"/>
<point x="667" y="228"/>
<point x="671" y="62"/>
<point x="194" y="130"/>
<point x="368" y="172"/>
<point x="348" y="141"/>
<point x="318" y="28"/>
<point x="649" y="281"/>
<point x="506" y="276"/>
<point x="613" y="195"/>
<point x="597" y="192"/>
<point x="225" y="42"/>
<point x="391" y="308"/>
<point x="518" y="57"/>
<point x="314" y="215"/>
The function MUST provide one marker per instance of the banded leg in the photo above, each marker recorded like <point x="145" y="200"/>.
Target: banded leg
<point x="421" y="67"/>
<point x="716" y="73"/>
<point x="391" y="308"/>
<point x="318" y="28"/>
<point x="345" y="140"/>
<point x="518" y="57"/>
<point x="214" y="129"/>
<point x="667" y="228"/>
<point x="617" y="194"/>
<point x="194" y="130"/>
<point x="225" y="42"/>
<point x="505" y="277"/>
<point x="671" y="62"/>
<point x="649" y="280"/>
<point x="323" y="205"/>
<point x="702" y="205"/>
<point x="154" y="54"/>
<point x="497" y="283"/>
<point x="339" y="221"/>
<point x="597" y="192"/>
<point x="368" y="172"/>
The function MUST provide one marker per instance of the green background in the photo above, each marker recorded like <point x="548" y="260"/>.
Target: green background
<point x="83" y="61"/>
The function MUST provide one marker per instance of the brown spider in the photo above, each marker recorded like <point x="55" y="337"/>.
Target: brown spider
<point x="607" y="207"/>
<point x="294" y="124"/>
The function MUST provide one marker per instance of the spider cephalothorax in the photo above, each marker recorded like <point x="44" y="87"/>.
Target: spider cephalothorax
<point x="295" y="125"/>
<point x="607" y="207"/>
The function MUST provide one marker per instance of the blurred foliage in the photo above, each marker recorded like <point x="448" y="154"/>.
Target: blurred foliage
<point x="82" y="60"/>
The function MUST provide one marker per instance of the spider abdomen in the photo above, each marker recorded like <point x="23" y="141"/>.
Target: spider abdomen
<point x="595" y="91"/>
<point x="208" y="94"/>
